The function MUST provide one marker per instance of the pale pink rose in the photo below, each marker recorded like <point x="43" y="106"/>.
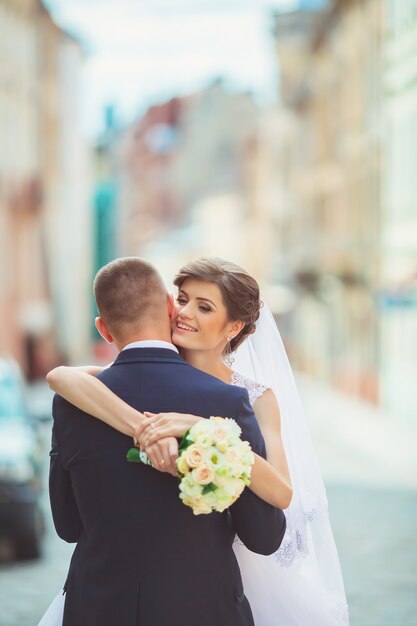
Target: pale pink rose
<point x="232" y="455"/>
<point x="203" y="475"/>
<point x="194" y="455"/>
<point x="219" y="434"/>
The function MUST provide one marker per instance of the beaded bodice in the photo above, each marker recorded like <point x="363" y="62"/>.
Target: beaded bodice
<point x="255" y="390"/>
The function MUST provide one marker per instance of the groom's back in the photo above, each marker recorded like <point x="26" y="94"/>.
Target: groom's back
<point x="142" y="556"/>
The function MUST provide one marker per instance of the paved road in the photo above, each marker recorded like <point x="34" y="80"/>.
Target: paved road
<point x="375" y="533"/>
<point x="369" y="463"/>
<point x="370" y="473"/>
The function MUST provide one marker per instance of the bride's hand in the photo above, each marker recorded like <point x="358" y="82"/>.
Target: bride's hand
<point x="163" y="455"/>
<point x="159" y="425"/>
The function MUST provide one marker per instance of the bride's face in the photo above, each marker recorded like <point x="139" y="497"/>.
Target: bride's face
<point x="201" y="322"/>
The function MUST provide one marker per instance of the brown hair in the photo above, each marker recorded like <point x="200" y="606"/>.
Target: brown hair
<point x="240" y="292"/>
<point x="128" y="291"/>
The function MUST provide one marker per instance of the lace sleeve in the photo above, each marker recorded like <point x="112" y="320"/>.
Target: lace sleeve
<point x="254" y="389"/>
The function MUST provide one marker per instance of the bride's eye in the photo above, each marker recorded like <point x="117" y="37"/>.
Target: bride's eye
<point x="181" y="300"/>
<point x="205" y="309"/>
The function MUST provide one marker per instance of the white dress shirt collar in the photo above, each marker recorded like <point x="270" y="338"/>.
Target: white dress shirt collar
<point x="151" y="343"/>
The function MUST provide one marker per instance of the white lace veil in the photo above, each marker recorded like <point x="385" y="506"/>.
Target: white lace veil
<point x="308" y="541"/>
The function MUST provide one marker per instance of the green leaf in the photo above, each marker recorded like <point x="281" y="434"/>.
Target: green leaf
<point x="185" y="442"/>
<point x="208" y="488"/>
<point x="133" y="455"/>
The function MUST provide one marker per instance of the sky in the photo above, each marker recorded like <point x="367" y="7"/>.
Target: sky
<point x="139" y="52"/>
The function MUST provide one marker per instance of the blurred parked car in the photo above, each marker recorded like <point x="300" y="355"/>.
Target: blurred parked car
<point x="21" y="519"/>
<point x="40" y="397"/>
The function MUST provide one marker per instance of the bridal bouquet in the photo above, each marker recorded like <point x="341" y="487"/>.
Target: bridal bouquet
<point x="214" y="465"/>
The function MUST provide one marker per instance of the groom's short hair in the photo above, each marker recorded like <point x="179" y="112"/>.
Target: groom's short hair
<point x="129" y="292"/>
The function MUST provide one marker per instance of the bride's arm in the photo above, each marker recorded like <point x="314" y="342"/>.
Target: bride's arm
<point x="270" y="479"/>
<point x="79" y="386"/>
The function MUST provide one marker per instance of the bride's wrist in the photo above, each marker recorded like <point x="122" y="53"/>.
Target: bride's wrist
<point x="134" y="420"/>
<point x="193" y="419"/>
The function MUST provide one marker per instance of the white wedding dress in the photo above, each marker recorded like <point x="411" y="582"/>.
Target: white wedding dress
<point x="285" y="589"/>
<point x="301" y="584"/>
<point x="55" y="612"/>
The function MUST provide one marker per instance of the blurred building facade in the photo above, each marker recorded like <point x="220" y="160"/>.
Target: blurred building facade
<point x="331" y="89"/>
<point x="148" y="190"/>
<point x="398" y="295"/>
<point x="43" y="182"/>
<point x="106" y="169"/>
<point x="186" y="179"/>
<point x="218" y="148"/>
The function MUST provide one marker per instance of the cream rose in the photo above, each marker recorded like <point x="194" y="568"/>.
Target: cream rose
<point x="222" y="446"/>
<point x="189" y="488"/>
<point x="200" y="505"/>
<point x="182" y="465"/>
<point x="203" y="475"/>
<point x="219" y="434"/>
<point x="194" y="455"/>
<point x="201" y="431"/>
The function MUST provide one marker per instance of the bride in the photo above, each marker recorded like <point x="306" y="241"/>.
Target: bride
<point x="301" y="584"/>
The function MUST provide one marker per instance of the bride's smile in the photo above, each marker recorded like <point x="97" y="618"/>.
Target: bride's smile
<point x="183" y="327"/>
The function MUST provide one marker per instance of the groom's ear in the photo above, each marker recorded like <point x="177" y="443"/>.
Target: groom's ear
<point x="103" y="330"/>
<point x="171" y="306"/>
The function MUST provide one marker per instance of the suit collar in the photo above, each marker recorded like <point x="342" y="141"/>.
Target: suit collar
<point x="151" y="343"/>
<point x="137" y="355"/>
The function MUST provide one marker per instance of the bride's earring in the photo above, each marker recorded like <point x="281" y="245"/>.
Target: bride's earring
<point x="229" y="356"/>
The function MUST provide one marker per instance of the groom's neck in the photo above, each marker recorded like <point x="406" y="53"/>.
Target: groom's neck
<point x="147" y="334"/>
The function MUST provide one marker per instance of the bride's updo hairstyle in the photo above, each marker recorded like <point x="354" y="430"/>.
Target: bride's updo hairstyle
<point x="240" y="291"/>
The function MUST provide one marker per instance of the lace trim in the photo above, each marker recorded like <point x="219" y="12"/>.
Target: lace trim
<point x="255" y="390"/>
<point x="287" y="552"/>
<point x="295" y="542"/>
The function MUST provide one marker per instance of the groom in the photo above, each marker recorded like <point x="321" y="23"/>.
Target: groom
<point x="142" y="558"/>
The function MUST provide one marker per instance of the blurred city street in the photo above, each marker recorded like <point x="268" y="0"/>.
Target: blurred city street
<point x="373" y="512"/>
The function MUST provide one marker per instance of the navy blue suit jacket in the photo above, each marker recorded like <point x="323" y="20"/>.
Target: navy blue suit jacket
<point x="142" y="558"/>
